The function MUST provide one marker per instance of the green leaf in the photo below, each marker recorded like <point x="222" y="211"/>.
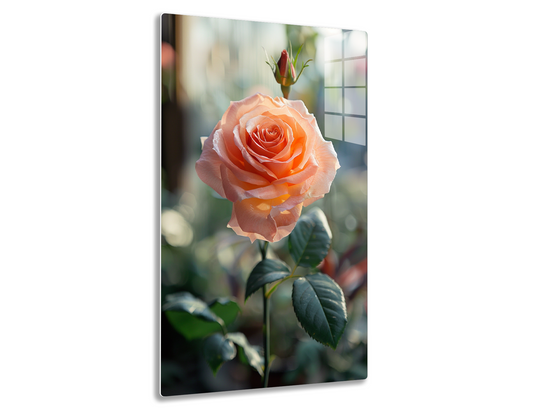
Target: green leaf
<point x="266" y="271"/>
<point x="302" y="70"/>
<point x="268" y="62"/>
<point x="320" y="308"/>
<point x="217" y="350"/>
<point x="295" y="62"/>
<point x="310" y="240"/>
<point x="225" y="308"/>
<point x="191" y="316"/>
<point x="252" y="355"/>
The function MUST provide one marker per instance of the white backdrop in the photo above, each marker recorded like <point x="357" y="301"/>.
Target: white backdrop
<point x="450" y="220"/>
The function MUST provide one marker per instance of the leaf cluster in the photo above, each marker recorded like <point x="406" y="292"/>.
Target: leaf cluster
<point x="318" y="301"/>
<point x="195" y="319"/>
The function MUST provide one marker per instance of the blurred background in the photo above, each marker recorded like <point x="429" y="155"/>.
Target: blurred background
<point x="205" y="64"/>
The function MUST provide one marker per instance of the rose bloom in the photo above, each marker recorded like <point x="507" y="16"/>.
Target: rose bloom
<point x="268" y="157"/>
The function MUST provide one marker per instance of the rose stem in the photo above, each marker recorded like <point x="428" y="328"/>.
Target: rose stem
<point x="266" y="322"/>
<point x="285" y="90"/>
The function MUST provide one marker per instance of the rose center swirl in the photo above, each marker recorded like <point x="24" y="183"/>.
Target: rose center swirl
<point x="267" y="141"/>
<point x="271" y="133"/>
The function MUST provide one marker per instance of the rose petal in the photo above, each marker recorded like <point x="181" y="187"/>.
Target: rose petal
<point x="256" y="146"/>
<point x="236" y="110"/>
<point x="273" y="191"/>
<point x="289" y="202"/>
<point x="288" y="216"/>
<point x="282" y="168"/>
<point x="253" y="215"/>
<point x="299" y="106"/>
<point x="252" y="164"/>
<point x="309" y="201"/>
<point x="286" y="221"/>
<point x="306" y="133"/>
<point x="300" y="176"/>
<point x="254" y="136"/>
<point x="220" y="147"/>
<point x="208" y="167"/>
<point x="236" y="190"/>
<point x="328" y="164"/>
<point x="233" y="224"/>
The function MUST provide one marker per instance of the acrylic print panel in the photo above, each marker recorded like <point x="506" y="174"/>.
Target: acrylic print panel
<point x="263" y="205"/>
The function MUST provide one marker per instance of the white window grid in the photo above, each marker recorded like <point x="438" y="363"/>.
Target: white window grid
<point x="346" y="87"/>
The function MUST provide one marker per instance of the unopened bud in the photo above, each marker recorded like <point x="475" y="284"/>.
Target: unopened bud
<point x="284" y="71"/>
<point x="284" y="77"/>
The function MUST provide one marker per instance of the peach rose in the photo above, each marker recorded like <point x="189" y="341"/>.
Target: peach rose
<point x="268" y="157"/>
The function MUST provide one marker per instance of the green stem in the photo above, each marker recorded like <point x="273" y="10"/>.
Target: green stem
<point x="266" y="322"/>
<point x="263" y="250"/>
<point x="273" y="288"/>
<point x="266" y="335"/>
<point x="285" y="90"/>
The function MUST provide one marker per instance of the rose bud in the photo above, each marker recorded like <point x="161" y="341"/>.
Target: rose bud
<point x="284" y="71"/>
<point x="283" y="76"/>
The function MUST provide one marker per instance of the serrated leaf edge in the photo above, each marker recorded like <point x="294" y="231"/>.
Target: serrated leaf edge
<point x="334" y="347"/>
<point x="312" y="217"/>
